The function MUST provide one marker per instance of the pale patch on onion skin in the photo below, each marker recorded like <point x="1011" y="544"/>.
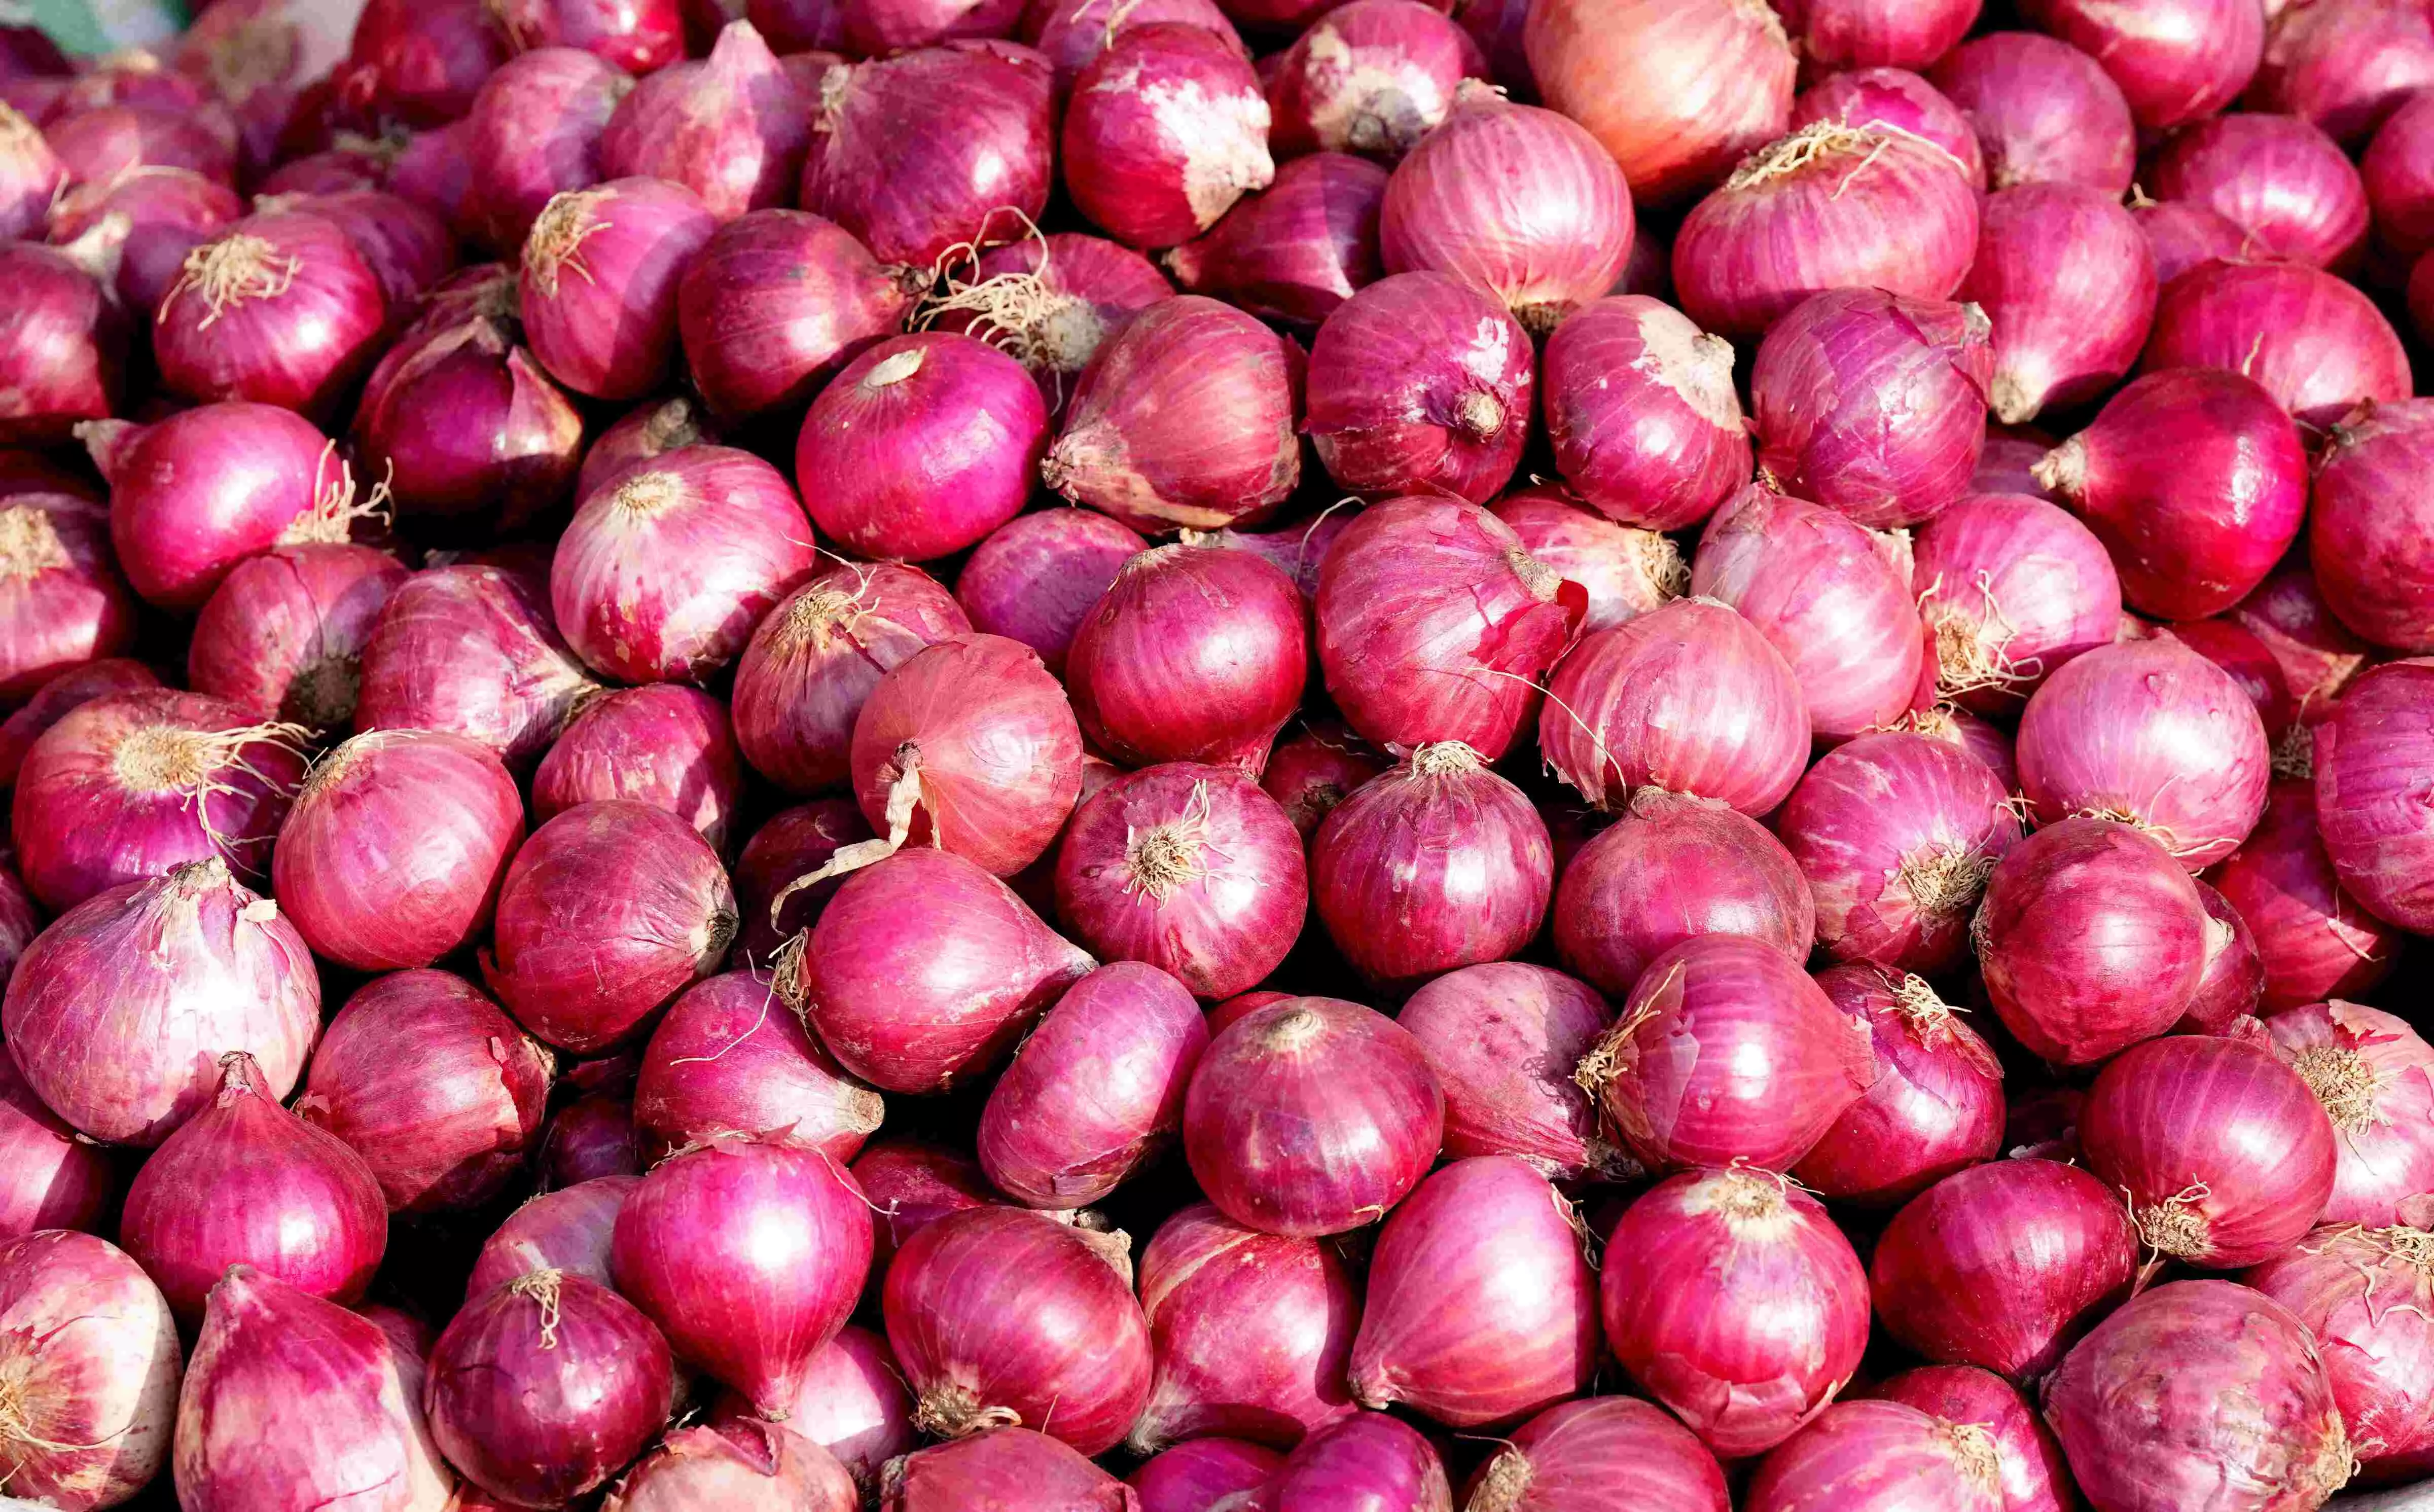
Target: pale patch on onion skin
<point x="1694" y="364"/>
<point x="1222" y="139"/>
<point x="1368" y="109"/>
<point x="30" y="545"/>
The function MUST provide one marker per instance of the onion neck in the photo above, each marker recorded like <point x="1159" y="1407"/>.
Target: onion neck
<point x="2345" y="1082"/>
<point x="1503" y="1484"/>
<point x="1294" y="1030"/>
<point x="238" y="269"/>
<point x="949" y="1411"/>
<point x="2063" y="470"/>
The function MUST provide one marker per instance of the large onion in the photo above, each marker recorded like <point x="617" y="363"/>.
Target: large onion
<point x="2183" y="61"/>
<point x="94" y="1350"/>
<point x="728" y="1058"/>
<point x="2045" y="111"/>
<point x="470" y="650"/>
<point x="1223" y="626"/>
<point x="1503" y="1038"/>
<point x="2364" y="1294"/>
<point x="2069" y="279"/>
<point x="1935" y="1107"/>
<point x="1642" y="413"/>
<point x="1579" y="1453"/>
<point x="2012" y="588"/>
<point x="2314" y="341"/>
<point x="1419" y="382"/>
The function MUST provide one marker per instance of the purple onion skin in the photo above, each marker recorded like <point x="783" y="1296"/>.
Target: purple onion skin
<point x="2233" y="987"/>
<point x="1197" y="1474"/>
<point x="54" y="1180"/>
<point x="774" y="304"/>
<point x="1876" y="1455"/>
<point x="2068" y="280"/>
<point x="2032" y="1475"/>
<point x="1896" y="98"/>
<point x="852" y="1402"/>
<point x="2367" y="758"/>
<point x="2367" y="531"/>
<point x="1147" y="182"/>
<point x="728" y="1058"/>
<point x="91" y="1339"/>
<point x="794" y="843"/>
<point x="1503" y="1038"/>
<point x="1642" y="414"/>
<point x="1373" y="81"/>
<point x="301" y="347"/>
<point x="1671" y="868"/>
<point x="735" y="1462"/>
<point x="2278" y="177"/>
<point x="1298" y="249"/>
<point x="1935" y="1107"/>
<point x="284" y="634"/>
<point x="1576" y="1452"/>
<point x="589" y="1138"/>
<point x="2363" y="1300"/>
<point x="1367" y="1458"/>
<point x="64" y="606"/>
<point x="2181" y="235"/>
<point x="2045" y="111"/>
<point x="62" y="695"/>
<point x="2012" y="588"/>
<point x="731" y="128"/>
<point x="597" y="289"/>
<point x="471" y="650"/>
<point x="1008" y="1465"/>
<point x="1421" y="381"/>
<point x="2314" y="342"/>
<point x="2314" y="940"/>
<point x="570" y="1229"/>
<point x="663" y="744"/>
<point x="1036" y="578"/>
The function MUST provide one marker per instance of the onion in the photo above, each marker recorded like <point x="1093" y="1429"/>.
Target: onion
<point x="54" y="1177"/>
<point x="2225" y="1153"/>
<point x="814" y="659"/>
<point x="1787" y="225"/>
<point x="913" y="1185"/>
<point x="344" y="168"/>
<point x="2228" y="994"/>
<point x="1671" y="868"/>
<point x="2344" y="66"/>
<point x="1895" y="98"/>
<point x="735" y="1463"/>
<point x="282" y="635"/>
<point x="1359" y="1084"/>
<point x="2314" y="940"/>
<point x="534" y="133"/>
<point x="794" y="842"/>
<point x="2280" y="180"/>
<point x="67" y="339"/>
<point x="2373" y="1349"/>
<point x="916" y="154"/>
<point x="135" y="784"/>
<point x="2029" y="1463"/>
<point x="1163" y="131"/>
<point x="432" y="1086"/>
<point x="2013" y="589"/>
<point x="598" y="288"/>
<point x="1642" y="413"/>
<point x="665" y="569"/>
<point x="267" y="1346"/>
<point x="279" y="309"/>
<point x="2398" y="172"/>
<point x="2045" y="112"/>
<point x="61" y="599"/>
<point x="1502" y="1038"/>
<point x="1367" y="1460"/>
<point x="98" y="144"/>
<point x="407" y="248"/>
<point x="663" y="745"/>
<point x="1873" y="406"/>
<point x="2067" y="278"/>
<point x="1197" y="1474"/>
<point x="32" y="176"/>
<point x="1037" y="577"/>
<point x="1317" y="769"/>
<point x="1514" y="200"/>
<point x="167" y="211"/>
<point x="852" y="1402"/>
<point x="2363" y="527"/>
<point x="471" y="650"/>
<point x="419" y="63"/>
<point x="1300" y="548"/>
<point x="1936" y="1105"/>
<point x="2376" y="1079"/>
<point x="1005" y="1464"/>
<point x="1576" y="1454"/>
<point x="2366" y="765"/>
<point x="1835" y="34"/>
<point x="1733" y="1300"/>
<point x="567" y="1230"/>
<point x="1052" y="300"/>
<point x="309" y="1210"/>
<point x="1373" y="80"/>
<point x="1690" y="699"/>
<point x="924" y="970"/>
<point x="878" y="27"/>
<point x="2182" y="234"/>
<point x="1073" y="32"/>
<point x="649" y="430"/>
<point x="2246" y="1414"/>
<point x="94" y="1351"/>
<point x="774" y="303"/>
<point x="590" y="1139"/>
<point x="1432" y="623"/>
<point x="1190" y="868"/>
<point x="1674" y="92"/>
<point x="2182" y="62"/>
<point x="638" y="38"/>
<point x="1488" y="1227"/>
<point x="1820" y="589"/>
<point x="1418" y="383"/>
<point x="2193" y="482"/>
<point x="2319" y="656"/>
<point x="1296" y="250"/>
<point x="1438" y="863"/>
<point x="62" y="695"/>
<point x="727" y="1059"/>
<point x="1625" y="570"/>
<point x="732" y="128"/>
<point x="547" y="1386"/>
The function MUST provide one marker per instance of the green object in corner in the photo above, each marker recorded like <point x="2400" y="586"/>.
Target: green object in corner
<point x="92" y="27"/>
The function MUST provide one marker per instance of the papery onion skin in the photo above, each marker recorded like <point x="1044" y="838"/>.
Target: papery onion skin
<point x="775" y="303"/>
<point x="2171" y="69"/>
<point x="279" y="309"/>
<point x="1163" y="131"/>
<point x="1224" y="624"/>
<point x="2319" y="655"/>
<point x="2045" y="111"/>
<point x="1674" y="92"/>
<point x="1039" y="576"/>
<point x="1935" y="1107"/>
<point x="1893" y="97"/>
<point x="92" y="1343"/>
<point x="471" y="650"/>
<point x="1007" y="1464"/>
<point x="2247" y="1414"/>
<point x="2314" y="939"/>
<point x="282" y="634"/>
<point x="2366" y="759"/>
<point x="2365" y="525"/>
<point x="2317" y="344"/>
<point x="732" y="128"/>
<point x="1502" y="1038"/>
<point x="728" y="1058"/>
<point x="2375" y="1078"/>
<point x="2344" y="66"/>
<point x="201" y="490"/>
<point x="1052" y="301"/>
<point x="739" y="1458"/>
<point x="2194" y="482"/>
<point x="2184" y="235"/>
<point x="56" y="1179"/>
<point x="433" y="1085"/>
<point x="1642" y="415"/>
<point x="1296" y="250"/>
<point x="1373" y="80"/>
<point x="599" y="284"/>
<point x="394" y="851"/>
<point x="2031" y="1469"/>
<point x="533" y="133"/>
<point x="2069" y="279"/>
<point x="2363" y="1294"/>
<point x="1577" y="1453"/>
<point x="1200" y="1472"/>
<point x="2279" y="179"/>
<point x="1625" y="570"/>
<point x="2013" y="588"/>
<point x="61" y="599"/>
<point x="569" y="1229"/>
<point x="1670" y="868"/>
<point x="1362" y="1083"/>
<point x="851" y="1401"/>
<point x="168" y="211"/>
<point x="1733" y="1299"/>
<point x="1421" y="381"/>
<point x="793" y="843"/>
<point x="30" y="176"/>
<point x="2004" y="1265"/>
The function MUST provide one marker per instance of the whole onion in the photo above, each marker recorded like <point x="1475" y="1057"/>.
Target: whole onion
<point x="245" y="1181"/>
<point x="2364" y="523"/>
<point x="2246" y="1415"/>
<point x="1438" y="863"/>
<point x="2367" y="764"/>
<point x="774" y="303"/>
<point x="1672" y="867"/>
<point x="795" y="841"/>
<point x="2314" y="940"/>
<point x="732" y="128"/>
<point x="1373" y="80"/>
<point x="598" y="286"/>
<point x="2375" y="1078"/>
<point x="1830" y="206"/>
<point x="2317" y="345"/>
<point x="912" y="1185"/>
<point x="62" y="600"/>
<point x="851" y="1401"/>
<point x="266" y="1345"/>
<point x="1625" y="570"/>
<point x="1249" y="1332"/>
<point x="54" y="1178"/>
<point x="2069" y="279"/>
<point x="1072" y="32"/>
<point x="94" y="1353"/>
<point x="1872" y="404"/>
<point x="433" y="1086"/>
<point x="1051" y="300"/>
<point x="1820" y="589"/>
<point x="533" y="133"/>
<point x="1197" y="1474"/>
<point x="1487" y="1226"/>
<point x="2029" y="1463"/>
<point x="1502" y="1038"/>
<point x="1733" y="1299"/>
<point x="569" y="1229"/>
<point x="2346" y="66"/>
<point x="407" y="248"/>
<point x="469" y="650"/>
<point x="730" y="1058"/>
<point x="396" y="847"/>
<point x="1577" y="1453"/>
<point x="638" y="38"/>
<point x="590" y="1139"/>
<point x="167" y="211"/>
<point x="921" y="446"/>
<point x="1186" y="416"/>
<point x="131" y="786"/>
<point x="1832" y="34"/>
<point x="66" y="339"/>
<point x="1039" y="576"/>
<point x="735" y="1463"/>
<point x="2194" y="482"/>
<point x="662" y="744"/>
<point x="1420" y="382"/>
<point x="916" y="154"/>
<point x="2363" y="1294"/>
<point x="2186" y="60"/>
<point x="1002" y="1464"/>
<point x="547" y="1386"/>
<point x="2012" y="588"/>
<point x="1000" y="1316"/>
<point x="1190" y="868"/>
<point x="419" y="63"/>
<point x="1360" y="1085"/>
<point x="1642" y="413"/>
<point x="748" y="1256"/>
<point x="1296" y="250"/>
<point x="608" y="911"/>
<point x="282" y="636"/>
<point x="924" y="970"/>
<point x="1674" y="92"/>
<point x="1894" y="97"/>
<point x="1300" y="548"/>
<point x="664" y="570"/>
<point x="2045" y="111"/>
<point x="1935" y="1107"/>
<point x="1367" y="1459"/>
<point x="2397" y="169"/>
<point x="1163" y="131"/>
<point x="1433" y="622"/>
<point x="30" y="176"/>
<point x="98" y="144"/>
<point x="2225" y="1153"/>
<point x="2277" y="177"/>
<point x="1514" y="200"/>
<point x="279" y="309"/>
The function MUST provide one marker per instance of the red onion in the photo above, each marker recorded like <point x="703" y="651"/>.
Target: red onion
<point x="1733" y="1300"/>
<point x="407" y="248"/>
<point x="267" y="1346"/>
<point x="2246" y="1414"/>
<point x="2013" y="589"/>
<point x="794" y="842"/>
<point x="663" y="745"/>
<point x="2045" y="112"/>
<point x="1367" y="1460"/>
<point x="732" y="128"/>
<point x="1005" y="1464"/>
<point x="598" y="290"/>
<point x="1674" y="867"/>
<point x="32" y="176"/>
<point x="1222" y="624"/>
<point x="878" y="27"/>
<point x="1002" y="1316"/>
<point x="342" y="169"/>
<point x="851" y="1401"/>
<point x="2182" y="234"/>
<point x="2344" y="66"/>
<point x="1299" y="548"/>
<point x="1617" y="1450"/>
<point x="774" y="303"/>
<point x="1895" y="98"/>
<point x="924" y="970"/>
<point x="1642" y="413"/>
<point x="309" y="1210"/>
<point x="1834" y="34"/>
<point x="1936" y="1105"/>
<point x="1514" y="200"/>
<point x="2029" y="1463"/>
<point x="282" y="635"/>
<point x="61" y="601"/>
<point x="1197" y="1474"/>
<point x="638" y="37"/>
<point x="421" y="63"/>
<point x="1788" y="225"/>
<point x="2175" y="64"/>
<point x="2192" y="480"/>
<point x="469" y="650"/>
<point x="736" y="1463"/>
<point x="98" y="144"/>
<point x="1051" y="300"/>
<point x="569" y="1230"/>
<point x="591" y="1138"/>
<point x="94" y="1351"/>
<point x="1873" y="406"/>
<point x="730" y="1058"/>
<point x="2398" y="172"/>
<point x="1420" y="382"/>
<point x="167" y="211"/>
<point x="547" y="1386"/>
<point x="2067" y="278"/>
<point x="1502" y="1038"/>
<point x="2367" y="767"/>
<point x="916" y="154"/>
<point x="1317" y="769"/>
<point x="54" y="1177"/>
<point x="1361" y="1085"/>
<point x="279" y="309"/>
<point x="1295" y="251"/>
<point x="913" y="1185"/>
<point x="1373" y="80"/>
<point x="2374" y="1348"/>
<point x="1186" y="416"/>
<point x="1036" y="578"/>
<point x="1625" y="570"/>
<point x="1674" y="92"/>
<point x="2233" y="981"/>
<point x="2376" y="1079"/>
<point x="534" y="133"/>
<point x="2276" y="177"/>
<point x="1877" y="1456"/>
<point x="1488" y="1227"/>
<point x="2362" y="534"/>
<point x="1163" y="131"/>
<point x="1073" y="32"/>
<point x="2314" y="940"/>
<point x="437" y="1089"/>
<point x="131" y="786"/>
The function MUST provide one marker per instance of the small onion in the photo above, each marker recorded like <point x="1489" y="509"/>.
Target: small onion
<point x="1367" y="1460"/>
<point x="52" y="1177"/>
<point x="2367" y="764"/>
<point x="2364" y="1294"/>
<point x="1373" y="80"/>
<point x="61" y="601"/>
<point x="2344" y="66"/>
<point x="1625" y="570"/>
<point x="2314" y="940"/>
<point x="2069" y="279"/>
<point x="1009" y="1465"/>
<point x="851" y="1401"/>
<point x="598" y="286"/>
<point x="731" y="128"/>
<point x="1317" y="769"/>
<point x="1897" y="98"/>
<point x="1503" y="1038"/>
<point x="1163" y="131"/>
<point x="279" y="309"/>
<point x="1037" y="577"/>
<point x="569" y="1229"/>
<point x="728" y="1058"/>
<point x="662" y="744"/>
<point x="419" y="63"/>
<point x="2012" y="588"/>
<point x="2317" y="345"/>
<point x="1670" y="868"/>
<point x="1615" y="1449"/>
<point x="1418" y="383"/>
<point x="2375" y="1078"/>
<point x="737" y="1462"/>
<point x="1936" y="1105"/>
<point x="469" y="650"/>
<point x="774" y="303"/>
<point x="282" y="636"/>
<point x="201" y="490"/>
<point x="534" y="133"/>
<point x="94" y="1353"/>
<point x="2365" y="521"/>
<point x="1642" y="413"/>
<point x="1296" y="250"/>
<point x="1052" y="300"/>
